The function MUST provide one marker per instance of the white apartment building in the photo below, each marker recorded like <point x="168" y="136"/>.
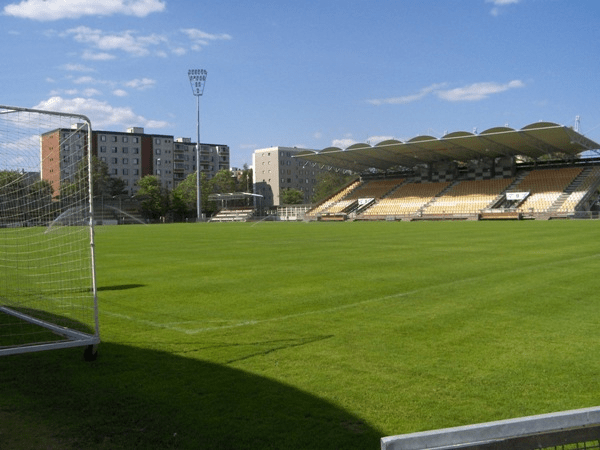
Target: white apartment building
<point x="134" y="154"/>
<point x="275" y="169"/>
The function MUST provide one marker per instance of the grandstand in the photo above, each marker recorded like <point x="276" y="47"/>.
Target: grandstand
<point x="536" y="172"/>
<point x="233" y="215"/>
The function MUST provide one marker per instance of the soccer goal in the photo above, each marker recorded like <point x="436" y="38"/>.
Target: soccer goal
<point x="47" y="276"/>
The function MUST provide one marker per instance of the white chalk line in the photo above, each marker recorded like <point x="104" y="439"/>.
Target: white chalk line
<point x="172" y="325"/>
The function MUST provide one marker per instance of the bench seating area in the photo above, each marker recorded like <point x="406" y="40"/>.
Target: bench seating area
<point x="233" y="215"/>
<point x="468" y="197"/>
<point x="407" y="199"/>
<point x="545" y="186"/>
<point x="375" y="188"/>
<point x="556" y="192"/>
<point x="330" y="203"/>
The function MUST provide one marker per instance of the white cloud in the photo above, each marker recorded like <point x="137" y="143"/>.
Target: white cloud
<point x="77" y="68"/>
<point x="403" y="100"/>
<point x="48" y="10"/>
<point x="472" y="92"/>
<point x="503" y="2"/>
<point x="498" y="4"/>
<point x="87" y="80"/>
<point x="103" y="43"/>
<point x="201" y="39"/>
<point x="101" y="114"/>
<point x="343" y="143"/>
<point x="374" y="140"/>
<point x="127" y="41"/>
<point x="477" y="91"/>
<point x="120" y="93"/>
<point x="97" y="56"/>
<point x="142" y="84"/>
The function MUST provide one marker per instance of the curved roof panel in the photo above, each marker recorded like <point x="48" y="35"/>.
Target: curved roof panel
<point x="534" y="140"/>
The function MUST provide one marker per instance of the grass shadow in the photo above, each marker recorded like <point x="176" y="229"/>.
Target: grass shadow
<point x="120" y="287"/>
<point x="139" y="398"/>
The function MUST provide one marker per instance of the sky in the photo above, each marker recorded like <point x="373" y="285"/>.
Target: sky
<point x="310" y="74"/>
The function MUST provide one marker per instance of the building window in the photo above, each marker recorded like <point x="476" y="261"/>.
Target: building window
<point x="125" y="139"/>
<point x="136" y="140"/>
<point x="125" y="150"/>
<point x="135" y="161"/>
<point x="113" y="149"/>
<point x="102" y="149"/>
<point x="113" y="139"/>
<point x="125" y="160"/>
<point x="158" y="151"/>
<point x="136" y="171"/>
<point x="114" y="160"/>
<point x="125" y="171"/>
<point x="136" y="150"/>
<point x="157" y="141"/>
<point x="103" y="138"/>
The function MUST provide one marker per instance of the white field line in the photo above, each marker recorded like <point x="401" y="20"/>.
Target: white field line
<point x="172" y="326"/>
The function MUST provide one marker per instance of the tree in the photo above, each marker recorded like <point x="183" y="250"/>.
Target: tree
<point x="328" y="183"/>
<point x="103" y="184"/>
<point x="223" y="182"/>
<point x="154" y="200"/>
<point x="185" y="194"/>
<point x="41" y="194"/>
<point x="11" y="193"/>
<point x="183" y="197"/>
<point x="244" y="182"/>
<point x="291" y="197"/>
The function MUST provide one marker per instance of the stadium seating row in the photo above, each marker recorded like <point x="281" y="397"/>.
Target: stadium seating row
<point x="233" y="215"/>
<point x="545" y="186"/>
<point x="331" y="202"/>
<point x="561" y="189"/>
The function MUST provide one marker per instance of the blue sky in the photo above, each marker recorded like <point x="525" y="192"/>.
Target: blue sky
<point x="309" y="74"/>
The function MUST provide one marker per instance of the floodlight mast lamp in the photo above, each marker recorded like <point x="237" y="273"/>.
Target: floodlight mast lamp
<point x="197" y="80"/>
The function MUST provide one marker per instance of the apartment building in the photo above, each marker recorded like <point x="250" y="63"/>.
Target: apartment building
<point x="276" y="169"/>
<point x="133" y="154"/>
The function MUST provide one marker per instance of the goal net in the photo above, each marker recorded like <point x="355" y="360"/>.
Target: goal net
<point x="47" y="276"/>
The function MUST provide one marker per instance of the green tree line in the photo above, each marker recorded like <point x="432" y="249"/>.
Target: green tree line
<point x="156" y="201"/>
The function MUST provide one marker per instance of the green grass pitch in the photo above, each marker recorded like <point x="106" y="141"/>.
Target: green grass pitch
<point x="317" y="335"/>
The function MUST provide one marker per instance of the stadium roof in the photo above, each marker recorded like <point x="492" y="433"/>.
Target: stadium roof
<point x="535" y="140"/>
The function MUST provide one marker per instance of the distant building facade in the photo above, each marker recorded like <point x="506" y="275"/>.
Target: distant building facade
<point x="276" y="169"/>
<point x="133" y="154"/>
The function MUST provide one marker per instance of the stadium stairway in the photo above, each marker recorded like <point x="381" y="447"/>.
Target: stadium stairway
<point x="553" y="210"/>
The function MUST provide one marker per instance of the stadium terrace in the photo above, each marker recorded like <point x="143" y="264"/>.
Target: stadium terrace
<point x="535" y="172"/>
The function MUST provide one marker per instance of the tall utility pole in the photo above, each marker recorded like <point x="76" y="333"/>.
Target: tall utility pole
<point x="197" y="80"/>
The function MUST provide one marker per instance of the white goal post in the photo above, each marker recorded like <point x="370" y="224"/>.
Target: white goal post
<point x="48" y="294"/>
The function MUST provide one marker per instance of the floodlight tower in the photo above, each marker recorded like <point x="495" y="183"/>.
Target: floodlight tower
<point x="197" y="80"/>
